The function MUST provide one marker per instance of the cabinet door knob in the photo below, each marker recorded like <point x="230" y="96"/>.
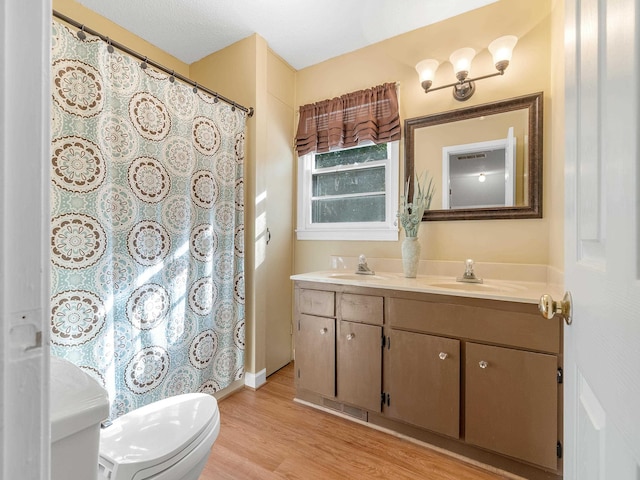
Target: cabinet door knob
<point x="351" y="336"/>
<point x="483" y="364"/>
<point x="323" y="331"/>
<point x="443" y="355"/>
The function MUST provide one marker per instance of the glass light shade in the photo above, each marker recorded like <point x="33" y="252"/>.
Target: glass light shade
<point x="502" y="48"/>
<point x="427" y="69"/>
<point x="461" y="60"/>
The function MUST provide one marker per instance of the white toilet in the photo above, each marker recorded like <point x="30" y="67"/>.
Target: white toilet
<point x="165" y="440"/>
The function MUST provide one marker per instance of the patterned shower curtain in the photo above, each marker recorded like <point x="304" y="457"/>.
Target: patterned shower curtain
<point x="147" y="228"/>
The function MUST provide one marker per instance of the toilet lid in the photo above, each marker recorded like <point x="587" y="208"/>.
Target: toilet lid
<point x="156" y="432"/>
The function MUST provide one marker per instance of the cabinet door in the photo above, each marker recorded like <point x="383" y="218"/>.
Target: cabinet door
<point x="360" y="365"/>
<point x="316" y="354"/>
<point x="423" y="381"/>
<point x="511" y="402"/>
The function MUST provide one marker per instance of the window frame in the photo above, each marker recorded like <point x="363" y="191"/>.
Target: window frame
<point x="386" y="230"/>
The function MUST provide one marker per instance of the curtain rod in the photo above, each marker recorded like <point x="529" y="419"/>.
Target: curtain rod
<point x="146" y="61"/>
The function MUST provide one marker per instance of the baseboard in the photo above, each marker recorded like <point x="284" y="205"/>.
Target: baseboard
<point x="255" y="380"/>
<point x="235" y="386"/>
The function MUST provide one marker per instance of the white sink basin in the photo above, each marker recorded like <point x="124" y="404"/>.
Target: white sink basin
<point x="507" y="289"/>
<point x="357" y="276"/>
<point x="478" y="287"/>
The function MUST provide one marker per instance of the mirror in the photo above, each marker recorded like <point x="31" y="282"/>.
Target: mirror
<point x="486" y="160"/>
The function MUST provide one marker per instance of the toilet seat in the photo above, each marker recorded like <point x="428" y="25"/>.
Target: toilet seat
<point x="175" y="433"/>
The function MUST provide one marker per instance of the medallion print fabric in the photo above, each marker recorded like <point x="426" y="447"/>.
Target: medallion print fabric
<point x="147" y="227"/>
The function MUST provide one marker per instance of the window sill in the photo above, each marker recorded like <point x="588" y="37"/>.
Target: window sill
<point x="351" y="234"/>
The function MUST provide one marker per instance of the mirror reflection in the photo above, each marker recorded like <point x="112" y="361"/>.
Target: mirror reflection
<point x="479" y="174"/>
<point x="486" y="159"/>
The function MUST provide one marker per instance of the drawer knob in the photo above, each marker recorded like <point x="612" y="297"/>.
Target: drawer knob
<point x="483" y="364"/>
<point x="323" y="331"/>
<point x="443" y="355"/>
<point x="351" y="336"/>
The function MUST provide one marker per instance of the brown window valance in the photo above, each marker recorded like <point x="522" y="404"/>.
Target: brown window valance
<point x="349" y="120"/>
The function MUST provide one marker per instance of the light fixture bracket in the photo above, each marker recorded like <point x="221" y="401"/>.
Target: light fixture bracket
<point x="463" y="91"/>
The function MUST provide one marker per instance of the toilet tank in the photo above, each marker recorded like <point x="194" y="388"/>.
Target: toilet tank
<point x="78" y="404"/>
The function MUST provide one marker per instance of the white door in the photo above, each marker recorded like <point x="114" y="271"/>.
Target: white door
<point x="602" y="247"/>
<point x="24" y="239"/>
<point x="510" y="171"/>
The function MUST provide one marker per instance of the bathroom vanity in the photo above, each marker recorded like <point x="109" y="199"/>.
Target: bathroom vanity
<point x="475" y="370"/>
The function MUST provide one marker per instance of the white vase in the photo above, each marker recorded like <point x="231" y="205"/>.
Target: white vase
<point x="410" y="256"/>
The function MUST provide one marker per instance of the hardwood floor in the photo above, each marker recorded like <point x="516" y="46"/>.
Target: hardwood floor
<point x="266" y="435"/>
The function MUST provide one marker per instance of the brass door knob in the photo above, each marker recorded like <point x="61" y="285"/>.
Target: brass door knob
<point x="548" y="307"/>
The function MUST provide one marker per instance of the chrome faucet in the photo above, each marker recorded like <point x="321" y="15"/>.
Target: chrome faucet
<point x="363" y="268"/>
<point x="469" y="275"/>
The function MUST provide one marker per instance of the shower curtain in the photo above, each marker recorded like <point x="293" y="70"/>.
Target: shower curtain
<point x="147" y="226"/>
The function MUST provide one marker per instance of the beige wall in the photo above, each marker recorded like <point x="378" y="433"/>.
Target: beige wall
<point x="393" y="60"/>
<point x="82" y="14"/>
<point x="555" y="136"/>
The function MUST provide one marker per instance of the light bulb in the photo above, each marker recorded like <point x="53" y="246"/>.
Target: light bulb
<point x="501" y="49"/>
<point x="427" y="71"/>
<point x="482" y="178"/>
<point x="461" y="61"/>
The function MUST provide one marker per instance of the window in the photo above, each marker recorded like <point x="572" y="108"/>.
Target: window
<point x="348" y="172"/>
<point x="349" y="194"/>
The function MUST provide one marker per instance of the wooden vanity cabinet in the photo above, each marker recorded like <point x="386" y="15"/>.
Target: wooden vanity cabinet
<point x="475" y="376"/>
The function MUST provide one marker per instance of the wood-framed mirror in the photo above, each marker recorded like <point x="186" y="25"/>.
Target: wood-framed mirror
<point x="486" y="160"/>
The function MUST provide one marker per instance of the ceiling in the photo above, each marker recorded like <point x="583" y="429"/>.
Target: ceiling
<point x="302" y="32"/>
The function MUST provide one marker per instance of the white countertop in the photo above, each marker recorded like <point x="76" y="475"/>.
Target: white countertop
<point x="505" y="290"/>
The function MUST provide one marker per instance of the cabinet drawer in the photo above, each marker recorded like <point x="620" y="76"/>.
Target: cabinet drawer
<point x="362" y="308"/>
<point x="516" y="327"/>
<point x="317" y="302"/>
<point x="511" y="401"/>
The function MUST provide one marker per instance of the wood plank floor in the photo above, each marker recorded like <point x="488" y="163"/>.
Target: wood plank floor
<point x="266" y="435"/>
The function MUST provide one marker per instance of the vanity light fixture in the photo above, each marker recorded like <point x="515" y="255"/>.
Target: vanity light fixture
<point x="501" y="49"/>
